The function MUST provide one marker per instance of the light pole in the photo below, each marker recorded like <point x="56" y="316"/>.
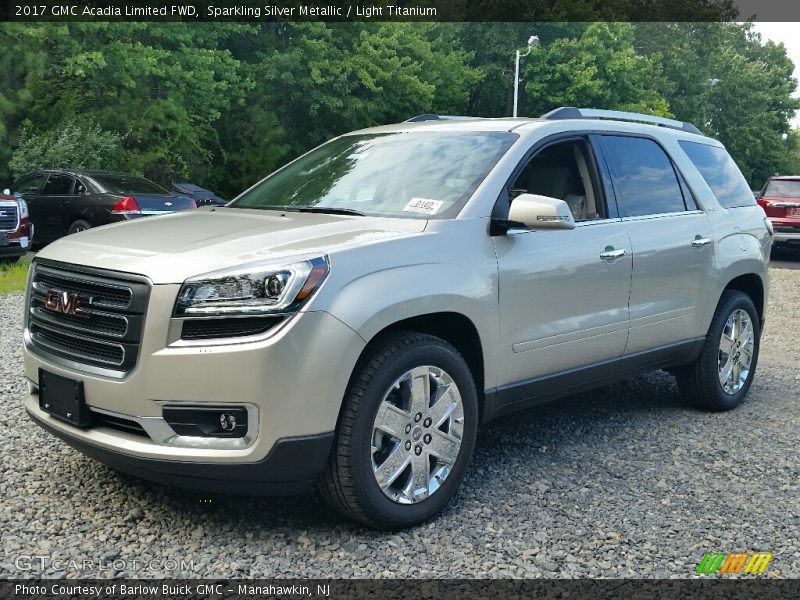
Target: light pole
<point x="711" y="84"/>
<point x="532" y="42"/>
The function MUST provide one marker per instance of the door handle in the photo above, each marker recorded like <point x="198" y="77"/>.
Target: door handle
<point x="699" y="242"/>
<point x="613" y="254"/>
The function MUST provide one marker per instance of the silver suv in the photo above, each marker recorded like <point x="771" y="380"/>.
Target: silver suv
<point x="353" y="318"/>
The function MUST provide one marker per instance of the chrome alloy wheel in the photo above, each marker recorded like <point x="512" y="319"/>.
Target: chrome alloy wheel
<point x="736" y="347"/>
<point x="417" y="434"/>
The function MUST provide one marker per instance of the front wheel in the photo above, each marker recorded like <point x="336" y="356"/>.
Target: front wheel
<point x="405" y="435"/>
<point x="720" y="377"/>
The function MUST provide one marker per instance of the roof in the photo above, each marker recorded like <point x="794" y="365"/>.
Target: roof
<point x="87" y="172"/>
<point x="476" y="124"/>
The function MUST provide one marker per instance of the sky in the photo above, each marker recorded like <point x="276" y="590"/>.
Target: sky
<point x="788" y="34"/>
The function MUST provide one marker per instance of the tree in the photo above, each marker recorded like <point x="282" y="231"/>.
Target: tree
<point x="598" y="69"/>
<point x="74" y="145"/>
<point x="720" y="77"/>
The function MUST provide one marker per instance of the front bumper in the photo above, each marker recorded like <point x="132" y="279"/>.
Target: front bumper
<point x="292" y="466"/>
<point x="294" y="379"/>
<point x="19" y="242"/>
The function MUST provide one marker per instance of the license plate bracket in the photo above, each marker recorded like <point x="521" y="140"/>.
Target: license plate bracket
<point x="62" y="398"/>
<point x="4" y="238"/>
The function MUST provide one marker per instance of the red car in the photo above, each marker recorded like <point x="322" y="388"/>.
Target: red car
<point x="780" y="199"/>
<point x="16" y="229"/>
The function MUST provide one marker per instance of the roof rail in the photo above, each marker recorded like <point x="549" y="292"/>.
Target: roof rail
<point x="569" y="112"/>
<point x="434" y="117"/>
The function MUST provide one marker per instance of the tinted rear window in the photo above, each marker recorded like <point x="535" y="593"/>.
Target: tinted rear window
<point x="644" y="178"/>
<point x="720" y="173"/>
<point x="783" y="188"/>
<point x="128" y="184"/>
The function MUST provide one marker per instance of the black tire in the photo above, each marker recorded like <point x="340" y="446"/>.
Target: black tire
<point x="699" y="382"/>
<point x="79" y="225"/>
<point x="348" y="483"/>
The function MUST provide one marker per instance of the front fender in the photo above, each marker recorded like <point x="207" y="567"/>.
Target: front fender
<point x="379" y="299"/>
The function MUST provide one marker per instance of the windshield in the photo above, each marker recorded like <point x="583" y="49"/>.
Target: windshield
<point x="783" y="188"/>
<point x="416" y="175"/>
<point x="128" y="184"/>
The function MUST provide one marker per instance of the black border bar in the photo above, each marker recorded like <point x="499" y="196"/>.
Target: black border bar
<point x="444" y="589"/>
<point x="397" y="10"/>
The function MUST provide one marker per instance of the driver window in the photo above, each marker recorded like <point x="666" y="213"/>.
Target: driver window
<point x="563" y="171"/>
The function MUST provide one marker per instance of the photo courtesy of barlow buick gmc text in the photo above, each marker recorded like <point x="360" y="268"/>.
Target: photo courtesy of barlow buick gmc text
<point x="433" y="300"/>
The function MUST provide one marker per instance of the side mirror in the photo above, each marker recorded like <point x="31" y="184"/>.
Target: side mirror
<point x="531" y="211"/>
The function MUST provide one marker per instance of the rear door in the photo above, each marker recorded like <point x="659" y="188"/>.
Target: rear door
<point x="670" y="240"/>
<point x="55" y="206"/>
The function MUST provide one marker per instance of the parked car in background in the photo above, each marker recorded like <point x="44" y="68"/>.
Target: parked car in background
<point x="780" y="199"/>
<point x="201" y="196"/>
<point x="16" y="229"/>
<point x="62" y="202"/>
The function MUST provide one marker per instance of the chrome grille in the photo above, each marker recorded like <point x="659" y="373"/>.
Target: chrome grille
<point x="8" y="218"/>
<point x="107" y="330"/>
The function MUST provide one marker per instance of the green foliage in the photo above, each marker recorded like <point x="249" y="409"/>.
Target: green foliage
<point x="73" y="145"/>
<point x="13" y="276"/>
<point x="720" y="77"/>
<point x="223" y="104"/>
<point x="599" y="69"/>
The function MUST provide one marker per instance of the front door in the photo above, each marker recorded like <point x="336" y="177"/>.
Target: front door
<point x="563" y="294"/>
<point x="54" y="206"/>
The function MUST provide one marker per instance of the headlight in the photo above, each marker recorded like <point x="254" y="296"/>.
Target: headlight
<point x="23" y="208"/>
<point x="252" y="290"/>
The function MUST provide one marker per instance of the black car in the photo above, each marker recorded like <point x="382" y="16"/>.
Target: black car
<point x="62" y="202"/>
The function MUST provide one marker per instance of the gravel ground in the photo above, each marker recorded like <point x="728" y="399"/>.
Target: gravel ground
<point x="624" y="481"/>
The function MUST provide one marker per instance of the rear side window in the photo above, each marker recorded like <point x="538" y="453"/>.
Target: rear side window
<point x="644" y="179"/>
<point x="58" y="185"/>
<point x="720" y="173"/>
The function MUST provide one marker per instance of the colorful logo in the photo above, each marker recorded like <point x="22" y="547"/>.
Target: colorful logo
<point x="735" y="562"/>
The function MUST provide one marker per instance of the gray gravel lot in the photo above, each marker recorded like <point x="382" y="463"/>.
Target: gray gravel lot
<point x="624" y="481"/>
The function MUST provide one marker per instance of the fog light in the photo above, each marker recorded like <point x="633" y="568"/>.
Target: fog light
<point x="227" y="421"/>
<point x="206" y="421"/>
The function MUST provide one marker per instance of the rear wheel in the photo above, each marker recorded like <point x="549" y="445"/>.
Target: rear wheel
<point x="720" y="377"/>
<point x="405" y="435"/>
<point x="78" y="226"/>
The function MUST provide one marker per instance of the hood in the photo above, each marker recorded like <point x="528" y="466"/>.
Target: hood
<point x="171" y="248"/>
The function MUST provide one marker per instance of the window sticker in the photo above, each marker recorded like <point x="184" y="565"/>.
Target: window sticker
<point x="423" y="205"/>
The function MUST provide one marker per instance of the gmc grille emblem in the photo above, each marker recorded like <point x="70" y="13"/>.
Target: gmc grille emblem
<point x="64" y="302"/>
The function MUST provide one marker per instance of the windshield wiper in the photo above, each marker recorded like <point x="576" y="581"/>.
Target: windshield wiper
<point x="328" y="210"/>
